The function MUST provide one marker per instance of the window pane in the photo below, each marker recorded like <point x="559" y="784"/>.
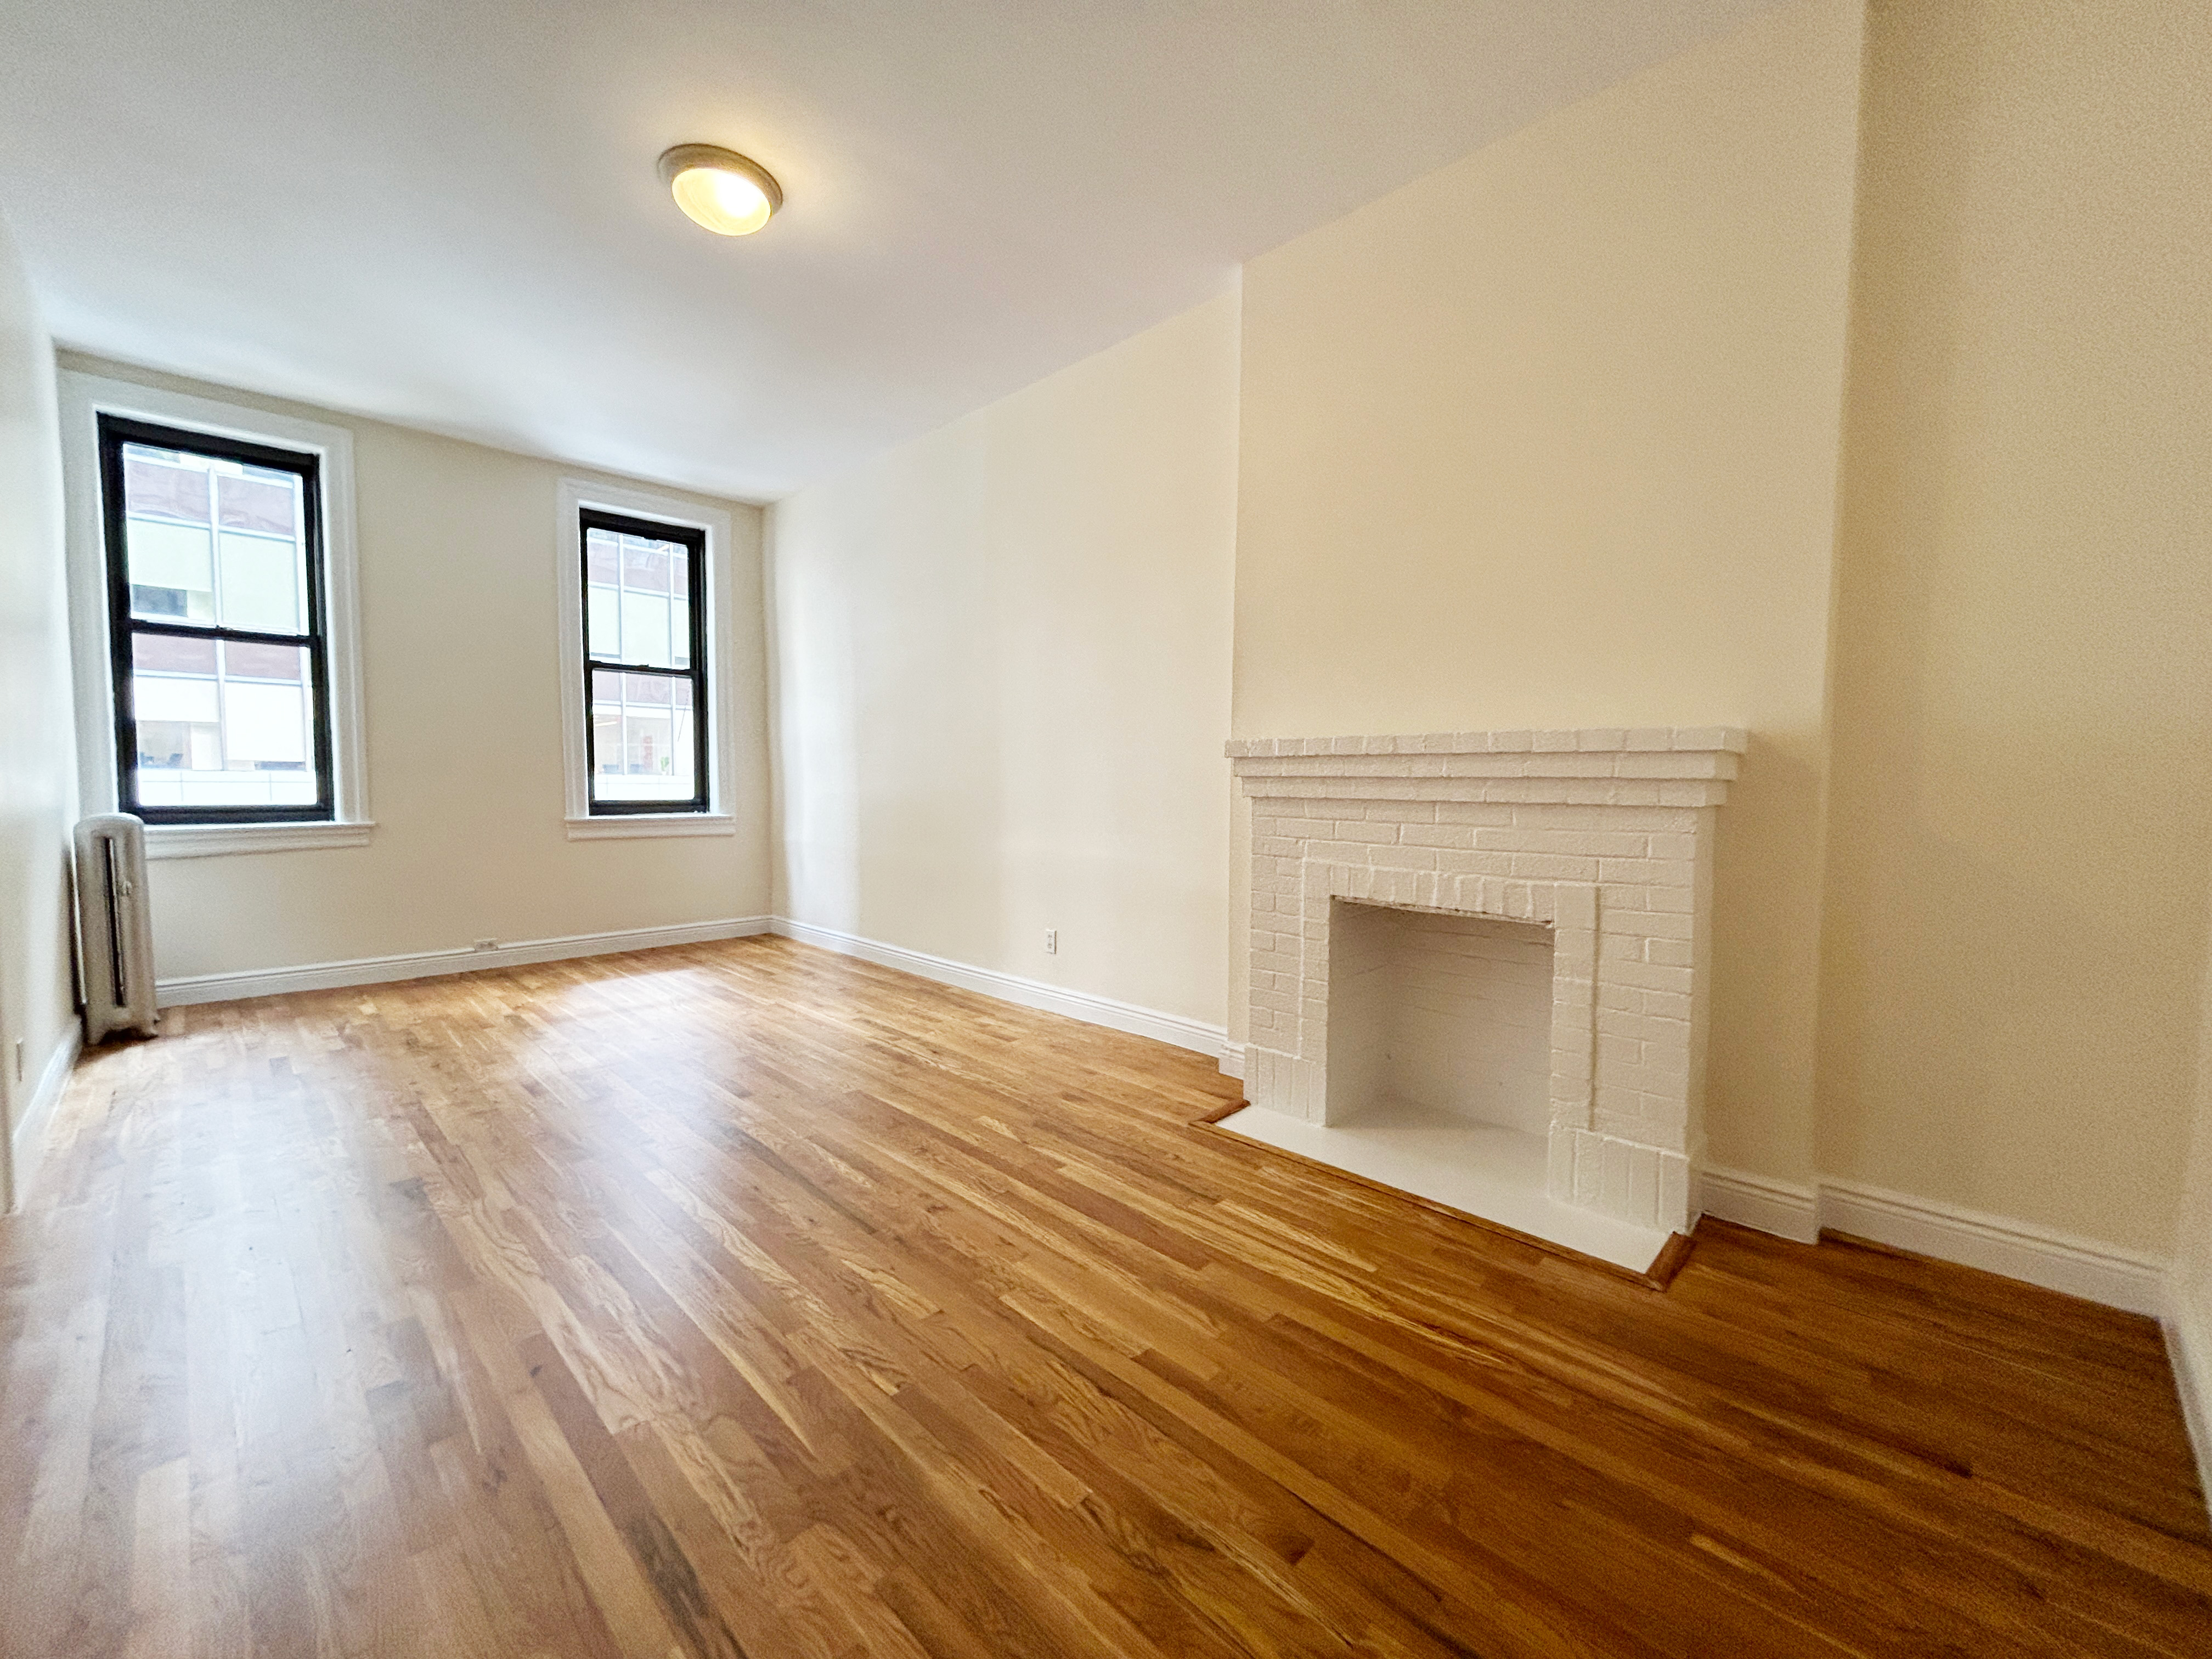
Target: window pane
<point x="601" y="560"/>
<point x="650" y="566"/>
<point x="169" y="652"/>
<point x="160" y="483"/>
<point x="259" y="498"/>
<point x="252" y="575"/>
<point x="172" y="570"/>
<point x="222" y="723"/>
<point x="264" y="573"/>
<point x="286" y="663"/>
<point x="645" y="629"/>
<point x="262" y="584"/>
<point x="642" y="738"/>
<point x="636" y="599"/>
<point x="603" y="623"/>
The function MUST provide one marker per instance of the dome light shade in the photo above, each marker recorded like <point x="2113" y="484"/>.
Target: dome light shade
<point x="730" y="194"/>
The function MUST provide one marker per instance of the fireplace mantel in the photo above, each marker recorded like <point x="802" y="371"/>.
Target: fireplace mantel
<point x="1604" y="835"/>
<point x="1580" y="763"/>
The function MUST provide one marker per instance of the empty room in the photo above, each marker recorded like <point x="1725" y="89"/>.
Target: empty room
<point x="1063" y="829"/>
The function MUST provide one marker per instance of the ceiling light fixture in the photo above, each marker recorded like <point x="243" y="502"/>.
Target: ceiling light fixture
<point x="731" y="194"/>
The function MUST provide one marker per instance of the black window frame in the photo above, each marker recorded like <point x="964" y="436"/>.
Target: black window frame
<point x="693" y="538"/>
<point x="114" y="432"/>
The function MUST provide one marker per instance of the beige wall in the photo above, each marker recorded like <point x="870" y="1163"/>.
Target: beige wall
<point x="38" y="767"/>
<point x="2022" y="822"/>
<point x="1549" y="438"/>
<point x="1002" y="679"/>
<point x="461" y="670"/>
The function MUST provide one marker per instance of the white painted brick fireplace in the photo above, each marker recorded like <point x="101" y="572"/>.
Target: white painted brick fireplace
<point x="1602" y="839"/>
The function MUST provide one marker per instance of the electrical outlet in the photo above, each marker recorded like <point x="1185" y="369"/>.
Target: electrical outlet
<point x="1052" y="941"/>
<point x="487" y="945"/>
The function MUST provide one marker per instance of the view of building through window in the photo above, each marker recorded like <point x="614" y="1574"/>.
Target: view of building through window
<point x="638" y="596"/>
<point x="642" y="738"/>
<point x="220" y="544"/>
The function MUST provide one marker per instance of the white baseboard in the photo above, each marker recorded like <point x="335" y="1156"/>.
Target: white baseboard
<point x="1011" y="987"/>
<point x="379" y="971"/>
<point x="29" y="1142"/>
<point x="2189" y="1349"/>
<point x="1232" y="1061"/>
<point x="428" y="965"/>
<point x="2018" y="1250"/>
<point x="1781" y="1207"/>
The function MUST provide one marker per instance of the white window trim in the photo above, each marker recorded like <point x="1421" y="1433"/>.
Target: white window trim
<point x="576" y="495"/>
<point x="84" y="399"/>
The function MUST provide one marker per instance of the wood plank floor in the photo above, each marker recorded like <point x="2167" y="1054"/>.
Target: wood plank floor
<point x="747" y="1300"/>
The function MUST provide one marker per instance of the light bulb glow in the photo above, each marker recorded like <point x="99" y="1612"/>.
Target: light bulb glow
<point x="720" y="189"/>
<point x="728" y="203"/>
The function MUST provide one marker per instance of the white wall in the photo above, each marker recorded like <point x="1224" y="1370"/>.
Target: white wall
<point x="38" y="772"/>
<point x="1002" y="679"/>
<point x="460" y="652"/>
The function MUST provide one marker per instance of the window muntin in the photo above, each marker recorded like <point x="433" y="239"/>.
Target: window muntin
<point x="215" y="618"/>
<point x="645" y="665"/>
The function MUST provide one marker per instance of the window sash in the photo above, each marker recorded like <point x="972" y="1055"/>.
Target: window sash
<point x="693" y="539"/>
<point x="115" y="431"/>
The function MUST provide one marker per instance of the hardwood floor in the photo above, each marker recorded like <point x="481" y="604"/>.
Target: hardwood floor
<point x="746" y="1299"/>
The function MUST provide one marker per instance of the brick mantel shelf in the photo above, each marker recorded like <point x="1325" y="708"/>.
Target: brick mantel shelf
<point x="1604" y="835"/>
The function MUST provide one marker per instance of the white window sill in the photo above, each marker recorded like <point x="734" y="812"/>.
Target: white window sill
<point x="619" y="826"/>
<point x="199" y="841"/>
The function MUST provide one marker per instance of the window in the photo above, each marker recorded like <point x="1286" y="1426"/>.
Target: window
<point x="222" y="677"/>
<point x="644" y="664"/>
<point x="212" y="610"/>
<point x="645" y="644"/>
